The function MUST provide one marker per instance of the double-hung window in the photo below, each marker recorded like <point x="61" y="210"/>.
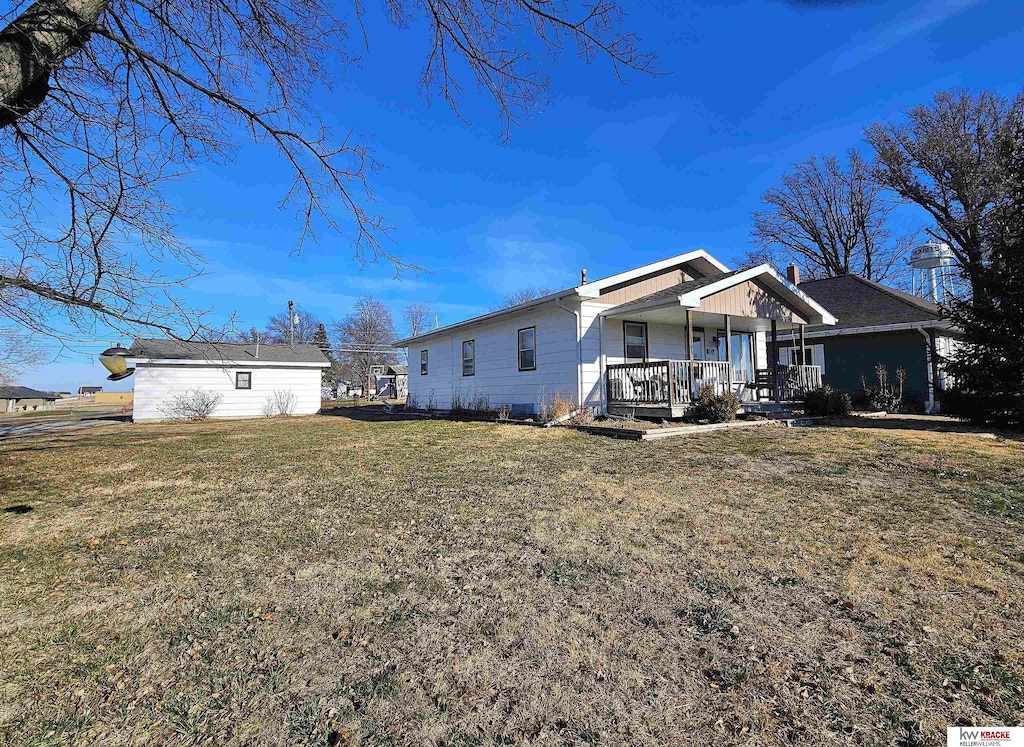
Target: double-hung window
<point x="635" y="334"/>
<point x="528" y="349"/>
<point x="243" y="380"/>
<point x="423" y="363"/>
<point x="468" y="357"/>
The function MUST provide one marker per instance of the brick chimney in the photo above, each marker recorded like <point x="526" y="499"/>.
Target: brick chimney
<point x="793" y="274"/>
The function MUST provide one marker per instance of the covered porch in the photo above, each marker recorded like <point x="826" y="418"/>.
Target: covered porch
<point x="720" y="327"/>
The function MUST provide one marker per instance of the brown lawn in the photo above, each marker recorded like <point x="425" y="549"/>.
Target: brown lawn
<point x="325" y="580"/>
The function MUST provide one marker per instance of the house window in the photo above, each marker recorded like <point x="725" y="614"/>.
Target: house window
<point x="423" y="363"/>
<point x="528" y="349"/>
<point x="468" y="358"/>
<point x="635" y="334"/>
<point x="793" y="356"/>
<point x="243" y="380"/>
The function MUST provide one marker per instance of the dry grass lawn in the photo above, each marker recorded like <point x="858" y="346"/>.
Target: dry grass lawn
<point x="324" y="580"/>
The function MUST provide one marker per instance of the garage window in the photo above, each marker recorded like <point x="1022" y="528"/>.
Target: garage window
<point x="243" y="380"/>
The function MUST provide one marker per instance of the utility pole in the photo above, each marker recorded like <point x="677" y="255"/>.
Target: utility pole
<point x="291" y="322"/>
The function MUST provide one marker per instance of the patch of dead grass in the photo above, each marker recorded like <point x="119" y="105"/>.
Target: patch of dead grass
<point x="431" y="582"/>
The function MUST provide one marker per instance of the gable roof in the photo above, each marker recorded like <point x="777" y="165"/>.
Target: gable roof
<point x="690" y="293"/>
<point x="675" y="291"/>
<point x="591" y="290"/>
<point x="234" y="352"/>
<point x="865" y="303"/>
<point x="23" y="392"/>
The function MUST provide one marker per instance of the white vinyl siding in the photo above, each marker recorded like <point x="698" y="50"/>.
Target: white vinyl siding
<point x="157" y="384"/>
<point x="496" y="361"/>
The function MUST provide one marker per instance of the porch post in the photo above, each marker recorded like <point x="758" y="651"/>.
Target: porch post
<point x="775" y="361"/>
<point x="689" y="355"/>
<point x="728" y="346"/>
<point x="803" y="346"/>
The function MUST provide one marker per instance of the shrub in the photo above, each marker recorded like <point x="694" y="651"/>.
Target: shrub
<point x="280" y="402"/>
<point x="714" y="407"/>
<point x="195" y="404"/>
<point x="473" y="402"/>
<point x="826" y="400"/>
<point x="885" y="395"/>
<point x="554" y="406"/>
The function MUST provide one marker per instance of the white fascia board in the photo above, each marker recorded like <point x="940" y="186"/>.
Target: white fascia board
<point x="694" y="297"/>
<point x="593" y="289"/>
<point x="484" y="318"/>
<point x="901" y="327"/>
<point x="224" y="364"/>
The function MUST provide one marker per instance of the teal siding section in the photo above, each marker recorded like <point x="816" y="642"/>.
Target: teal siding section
<point x="848" y="357"/>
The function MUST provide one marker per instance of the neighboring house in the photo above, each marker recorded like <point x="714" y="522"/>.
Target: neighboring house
<point x="113" y="398"/>
<point x="246" y="375"/>
<point x="23" y="399"/>
<point x="392" y="383"/>
<point x="876" y="324"/>
<point x="641" y="341"/>
<point x="89" y="391"/>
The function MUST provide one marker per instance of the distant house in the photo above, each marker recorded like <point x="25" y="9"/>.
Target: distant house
<point x="88" y="391"/>
<point x="23" y="399"/>
<point x="392" y="382"/>
<point x="876" y="325"/>
<point x="245" y="375"/>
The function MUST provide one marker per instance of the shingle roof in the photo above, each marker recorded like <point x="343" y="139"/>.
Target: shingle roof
<point x="857" y="302"/>
<point x="398" y="368"/>
<point x="23" y="392"/>
<point x="226" y="351"/>
<point x="678" y="289"/>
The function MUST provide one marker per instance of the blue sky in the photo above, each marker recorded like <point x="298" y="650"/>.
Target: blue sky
<point x="606" y="176"/>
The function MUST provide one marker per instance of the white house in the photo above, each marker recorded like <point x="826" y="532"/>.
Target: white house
<point x="641" y="341"/>
<point x="245" y="375"/>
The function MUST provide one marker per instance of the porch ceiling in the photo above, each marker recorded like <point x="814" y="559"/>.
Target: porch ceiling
<point x="676" y="315"/>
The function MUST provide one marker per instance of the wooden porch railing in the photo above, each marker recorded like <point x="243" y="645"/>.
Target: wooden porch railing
<point x="665" y="383"/>
<point x="794" y="381"/>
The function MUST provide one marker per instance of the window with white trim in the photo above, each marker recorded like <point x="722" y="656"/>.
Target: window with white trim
<point x="468" y="357"/>
<point x="635" y="340"/>
<point x="790" y="356"/>
<point x="423" y="363"/>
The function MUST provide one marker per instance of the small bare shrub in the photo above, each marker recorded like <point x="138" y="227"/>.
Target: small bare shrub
<point x="714" y="407"/>
<point x="584" y="417"/>
<point x="280" y="402"/>
<point x="885" y="395"/>
<point x="411" y="402"/>
<point x="552" y="406"/>
<point x="195" y="404"/>
<point x="505" y="412"/>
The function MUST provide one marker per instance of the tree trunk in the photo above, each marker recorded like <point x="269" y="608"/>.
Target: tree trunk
<point x="36" y="42"/>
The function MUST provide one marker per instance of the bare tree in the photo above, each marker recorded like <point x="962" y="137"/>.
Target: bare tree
<point x="829" y="219"/>
<point x="946" y="158"/>
<point x="303" y="331"/>
<point x="249" y="335"/>
<point x="103" y="101"/>
<point x="418" y="318"/>
<point x="523" y="295"/>
<point x="365" y="337"/>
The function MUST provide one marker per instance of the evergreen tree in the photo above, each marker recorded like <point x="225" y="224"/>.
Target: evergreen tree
<point x="986" y="366"/>
<point x="321" y="340"/>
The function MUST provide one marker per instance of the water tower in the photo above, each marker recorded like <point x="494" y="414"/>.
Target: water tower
<point x="932" y="264"/>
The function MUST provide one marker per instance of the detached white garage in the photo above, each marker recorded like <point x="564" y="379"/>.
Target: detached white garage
<point x="245" y="380"/>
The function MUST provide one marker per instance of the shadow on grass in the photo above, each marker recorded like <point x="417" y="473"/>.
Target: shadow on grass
<point x="927" y="423"/>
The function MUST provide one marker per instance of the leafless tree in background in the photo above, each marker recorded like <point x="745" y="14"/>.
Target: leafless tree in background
<point x="830" y="220"/>
<point x="364" y="338"/>
<point x="523" y="295"/>
<point x="948" y="159"/>
<point x="103" y="101"/>
<point x="303" y="331"/>
<point x="418" y="318"/>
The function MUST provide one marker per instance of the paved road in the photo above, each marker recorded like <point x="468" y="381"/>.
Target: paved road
<point x="41" y="427"/>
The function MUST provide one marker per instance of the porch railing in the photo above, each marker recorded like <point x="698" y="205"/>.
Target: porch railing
<point x="666" y="383"/>
<point x="794" y="381"/>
